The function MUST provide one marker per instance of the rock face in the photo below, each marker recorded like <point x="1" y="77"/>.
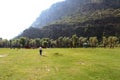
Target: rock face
<point x="68" y="7"/>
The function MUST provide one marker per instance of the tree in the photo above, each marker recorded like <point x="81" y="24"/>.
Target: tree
<point x="104" y="41"/>
<point x="60" y="42"/>
<point x="112" y="41"/>
<point x="74" y="40"/>
<point x="37" y="41"/>
<point x="1" y="42"/>
<point x="32" y="43"/>
<point x="24" y="41"/>
<point x="69" y="42"/>
<point x="82" y="40"/>
<point x="66" y="42"/>
<point x="15" y="43"/>
<point x="5" y="42"/>
<point x="10" y="43"/>
<point x="53" y="43"/>
<point x="93" y="41"/>
<point x="45" y="42"/>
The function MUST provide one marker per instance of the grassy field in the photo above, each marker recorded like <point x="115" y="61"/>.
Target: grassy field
<point x="60" y="64"/>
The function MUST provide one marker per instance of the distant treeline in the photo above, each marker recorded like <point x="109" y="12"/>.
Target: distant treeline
<point x="62" y="42"/>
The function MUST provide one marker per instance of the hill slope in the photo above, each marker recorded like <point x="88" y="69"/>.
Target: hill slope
<point x="82" y="17"/>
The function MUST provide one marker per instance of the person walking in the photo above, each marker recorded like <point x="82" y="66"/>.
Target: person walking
<point x="40" y="50"/>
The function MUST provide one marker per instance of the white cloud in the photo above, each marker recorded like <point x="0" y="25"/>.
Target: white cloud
<point x="17" y="15"/>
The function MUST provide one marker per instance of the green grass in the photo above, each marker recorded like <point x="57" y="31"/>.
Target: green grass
<point x="60" y="64"/>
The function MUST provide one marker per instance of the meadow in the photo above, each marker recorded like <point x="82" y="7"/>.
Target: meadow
<point x="60" y="64"/>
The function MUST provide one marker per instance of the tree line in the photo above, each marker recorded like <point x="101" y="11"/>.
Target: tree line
<point x="62" y="42"/>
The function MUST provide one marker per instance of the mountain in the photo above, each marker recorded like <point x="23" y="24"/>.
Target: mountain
<point x="56" y="12"/>
<point x="82" y="17"/>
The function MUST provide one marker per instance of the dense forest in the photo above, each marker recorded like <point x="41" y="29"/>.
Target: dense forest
<point x="85" y="18"/>
<point x="62" y="42"/>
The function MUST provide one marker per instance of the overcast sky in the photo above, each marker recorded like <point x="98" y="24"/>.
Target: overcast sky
<point x="17" y="15"/>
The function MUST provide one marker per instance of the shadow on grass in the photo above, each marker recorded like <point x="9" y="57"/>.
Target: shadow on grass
<point x="44" y="55"/>
<point x="57" y="54"/>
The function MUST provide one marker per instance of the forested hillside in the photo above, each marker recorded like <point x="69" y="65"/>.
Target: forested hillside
<point x="85" y="18"/>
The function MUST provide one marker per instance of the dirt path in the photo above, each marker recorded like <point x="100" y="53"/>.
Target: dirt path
<point x="4" y="55"/>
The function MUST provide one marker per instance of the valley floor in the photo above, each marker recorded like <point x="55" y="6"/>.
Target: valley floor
<point x="60" y="64"/>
